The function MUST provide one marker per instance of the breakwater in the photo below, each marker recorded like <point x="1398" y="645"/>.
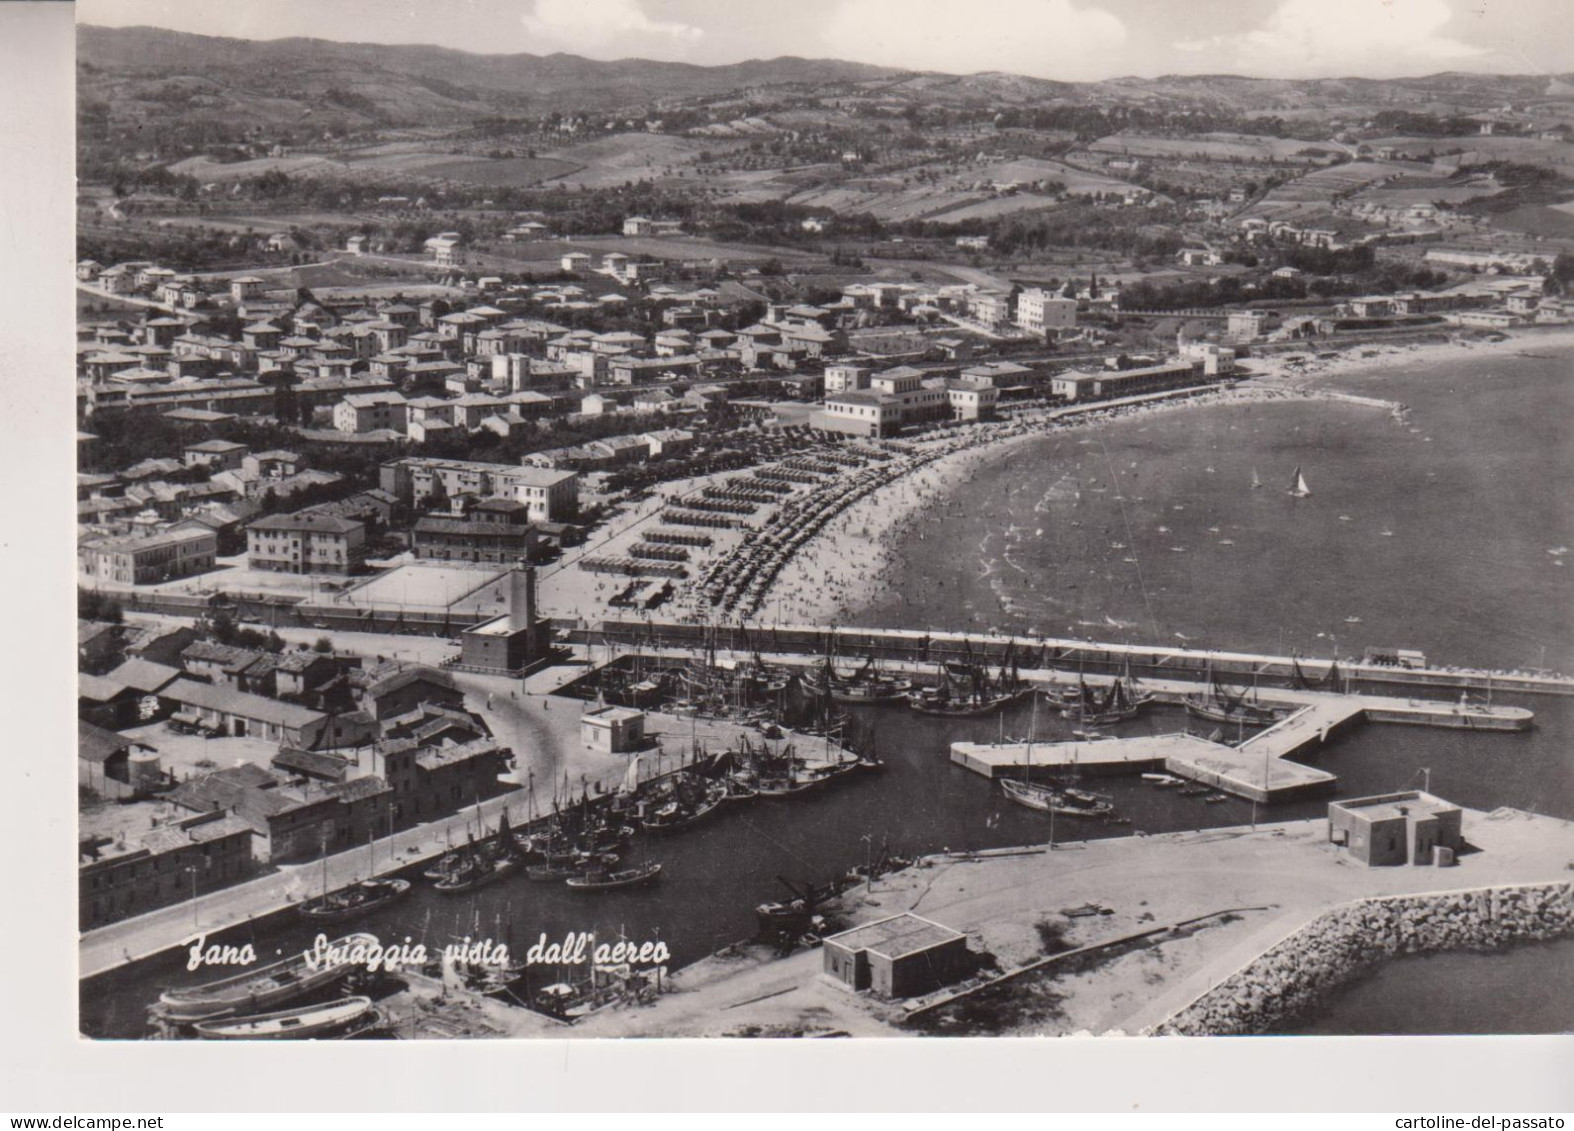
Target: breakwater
<point x="1293" y="976"/>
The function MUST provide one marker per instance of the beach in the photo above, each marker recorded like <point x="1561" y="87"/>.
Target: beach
<point x="853" y="563"/>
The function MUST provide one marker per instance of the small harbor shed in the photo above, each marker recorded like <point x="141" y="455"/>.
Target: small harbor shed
<point x="1396" y="828"/>
<point x="613" y="730"/>
<point x="897" y="957"/>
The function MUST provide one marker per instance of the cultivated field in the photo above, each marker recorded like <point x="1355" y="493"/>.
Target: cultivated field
<point x="1476" y="150"/>
<point x="999" y="206"/>
<point x="609" y="162"/>
<point x="1428" y="190"/>
<point x="502" y="171"/>
<point x="948" y="193"/>
<point x="1212" y="146"/>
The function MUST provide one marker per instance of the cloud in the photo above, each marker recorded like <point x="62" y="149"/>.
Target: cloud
<point x="1329" y="38"/>
<point x="596" y="26"/>
<point x="1056" y="39"/>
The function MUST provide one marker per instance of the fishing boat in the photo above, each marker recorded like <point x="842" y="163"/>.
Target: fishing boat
<point x="447" y="863"/>
<point x="305" y="1023"/>
<point x="739" y="789"/>
<point x="1298" y="487"/>
<point x="574" y="864"/>
<point x="1220" y="705"/>
<point x="1117" y="704"/>
<point x="865" y="686"/>
<point x="966" y="691"/>
<point x="1047" y="799"/>
<point x="1256" y="480"/>
<point x="600" y="879"/>
<point x="678" y="814"/>
<point x="358" y="899"/>
<point x="483" y="872"/>
<point x="785" y="786"/>
<point x="258" y="990"/>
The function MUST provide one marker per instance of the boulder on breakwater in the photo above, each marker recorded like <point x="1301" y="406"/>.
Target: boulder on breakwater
<point x="1292" y="976"/>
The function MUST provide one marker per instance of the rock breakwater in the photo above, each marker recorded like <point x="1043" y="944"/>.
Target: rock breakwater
<point x="1294" y="975"/>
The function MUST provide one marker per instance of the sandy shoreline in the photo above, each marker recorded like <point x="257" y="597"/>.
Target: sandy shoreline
<point x="848" y="565"/>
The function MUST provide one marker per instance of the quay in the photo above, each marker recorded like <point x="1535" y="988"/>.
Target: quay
<point x="405" y="853"/>
<point x="1162" y="944"/>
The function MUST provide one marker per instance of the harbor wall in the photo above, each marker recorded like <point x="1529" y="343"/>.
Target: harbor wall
<point x="1340" y="945"/>
<point x="916" y="646"/>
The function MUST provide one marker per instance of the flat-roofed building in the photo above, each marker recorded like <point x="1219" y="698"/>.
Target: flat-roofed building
<point x="612" y="730"/>
<point x="971" y="402"/>
<point x="1042" y="312"/>
<point x="861" y="414"/>
<point x="493" y="530"/>
<point x="1411" y="827"/>
<point x="1080" y="386"/>
<point x="897" y="957"/>
<point x="843" y="378"/>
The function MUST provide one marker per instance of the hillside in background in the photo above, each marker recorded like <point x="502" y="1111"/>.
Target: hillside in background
<point x="147" y="71"/>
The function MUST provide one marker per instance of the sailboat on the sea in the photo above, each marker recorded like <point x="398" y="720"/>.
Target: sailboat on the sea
<point x="1298" y="486"/>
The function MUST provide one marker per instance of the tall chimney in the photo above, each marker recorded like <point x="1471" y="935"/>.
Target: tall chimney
<point x="521" y="597"/>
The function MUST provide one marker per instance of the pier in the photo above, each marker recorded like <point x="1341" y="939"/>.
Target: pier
<point x="1258" y="769"/>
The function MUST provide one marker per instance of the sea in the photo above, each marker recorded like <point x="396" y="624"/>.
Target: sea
<point x="1444" y="530"/>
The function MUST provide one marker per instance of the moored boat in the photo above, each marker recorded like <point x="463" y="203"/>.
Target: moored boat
<point x="304" y="1023"/>
<point x="358" y="899"/>
<point x="258" y="990"/>
<point x="1047" y="799"/>
<point x="479" y="874"/>
<point x="600" y="879"/>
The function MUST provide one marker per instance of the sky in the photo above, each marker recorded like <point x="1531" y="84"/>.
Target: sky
<point x="1073" y="40"/>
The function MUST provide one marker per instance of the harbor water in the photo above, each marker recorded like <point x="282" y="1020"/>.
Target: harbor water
<point x="1440" y="534"/>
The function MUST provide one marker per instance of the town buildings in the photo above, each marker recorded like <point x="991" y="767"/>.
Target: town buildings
<point x="550" y="495"/>
<point x="491" y="530"/>
<point x="147" y="559"/>
<point x="169" y="863"/>
<point x="306" y="542"/>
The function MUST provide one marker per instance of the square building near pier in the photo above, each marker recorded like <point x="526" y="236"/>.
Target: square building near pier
<point x="897" y="957"/>
<point x="1396" y="828"/>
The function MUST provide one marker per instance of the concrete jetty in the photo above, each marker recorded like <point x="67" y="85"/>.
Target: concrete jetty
<point x="1259" y="769"/>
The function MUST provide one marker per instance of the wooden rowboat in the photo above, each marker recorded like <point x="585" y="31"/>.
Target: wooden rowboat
<point x="302" y="1024"/>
